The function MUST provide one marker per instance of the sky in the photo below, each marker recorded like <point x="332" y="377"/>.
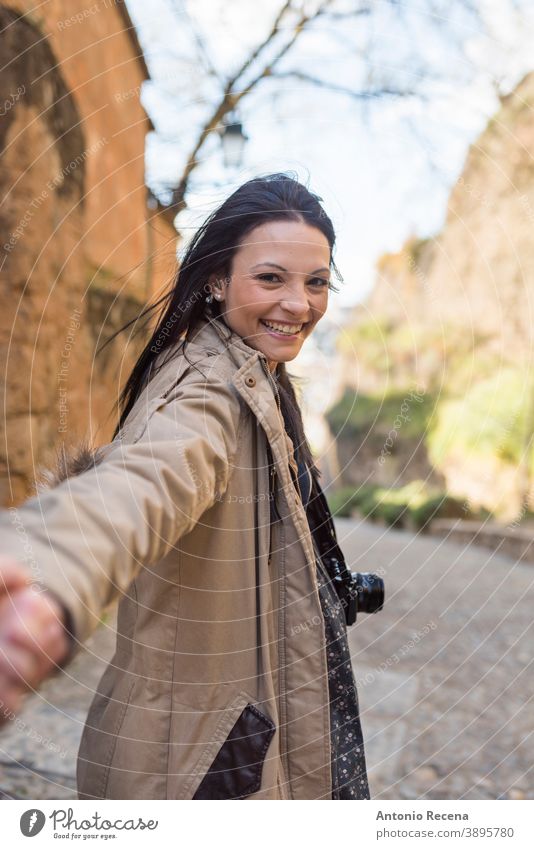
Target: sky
<point x="384" y="171"/>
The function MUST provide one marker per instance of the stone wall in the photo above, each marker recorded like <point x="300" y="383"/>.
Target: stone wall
<point x="81" y="251"/>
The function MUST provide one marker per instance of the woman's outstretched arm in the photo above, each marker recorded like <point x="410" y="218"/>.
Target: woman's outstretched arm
<point x="86" y="539"/>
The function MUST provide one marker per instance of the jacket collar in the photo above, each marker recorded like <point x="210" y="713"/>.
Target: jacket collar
<point x="213" y="334"/>
<point x="259" y="393"/>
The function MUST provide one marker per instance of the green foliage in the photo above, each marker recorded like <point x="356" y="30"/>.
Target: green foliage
<point x="441" y="506"/>
<point x="413" y="505"/>
<point x="379" y="508"/>
<point x="445" y="354"/>
<point x="488" y="420"/>
<point x="344" y="500"/>
<point x="368" y="342"/>
<point x="363" y="334"/>
<point x="340" y="500"/>
<point x="355" y="416"/>
<point x="475" y="407"/>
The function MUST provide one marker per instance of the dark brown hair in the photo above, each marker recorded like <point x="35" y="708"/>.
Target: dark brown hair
<point x="274" y="197"/>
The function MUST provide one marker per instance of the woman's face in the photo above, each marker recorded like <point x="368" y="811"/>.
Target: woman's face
<point x="278" y="288"/>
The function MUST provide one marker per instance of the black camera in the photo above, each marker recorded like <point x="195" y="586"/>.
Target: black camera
<point x="358" y="592"/>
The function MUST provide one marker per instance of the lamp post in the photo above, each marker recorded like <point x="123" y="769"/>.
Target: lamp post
<point x="233" y="142"/>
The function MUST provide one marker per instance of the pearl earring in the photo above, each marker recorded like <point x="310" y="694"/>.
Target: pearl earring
<point x="218" y="296"/>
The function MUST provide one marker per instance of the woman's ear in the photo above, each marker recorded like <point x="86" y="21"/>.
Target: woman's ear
<point x="217" y="285"/>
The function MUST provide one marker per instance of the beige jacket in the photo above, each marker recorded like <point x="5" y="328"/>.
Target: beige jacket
<point x="218" y="687"/>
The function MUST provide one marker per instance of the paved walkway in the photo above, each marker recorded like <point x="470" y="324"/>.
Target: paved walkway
<point x="445" y="670"/>
<point x="445" y="679"/>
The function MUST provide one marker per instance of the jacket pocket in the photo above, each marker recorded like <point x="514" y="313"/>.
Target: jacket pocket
<point x="237" y="769"/>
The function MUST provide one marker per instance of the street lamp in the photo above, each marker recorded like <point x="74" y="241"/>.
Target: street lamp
<point x="233" y="142"/>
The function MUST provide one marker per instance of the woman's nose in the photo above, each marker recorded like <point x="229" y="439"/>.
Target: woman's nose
<point x="297" y="309"/>
<point x="297" y="304"/>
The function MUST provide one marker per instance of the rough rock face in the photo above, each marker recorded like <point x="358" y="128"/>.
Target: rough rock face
<point x="80" y="251"/>
<point x="402" y="291"/>
<point x="482" y="270"/>
<point x="458" y="309"/>
<point x="479" y="271"/>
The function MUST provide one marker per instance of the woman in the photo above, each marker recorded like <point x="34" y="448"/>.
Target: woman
<point x="232" y="675"/>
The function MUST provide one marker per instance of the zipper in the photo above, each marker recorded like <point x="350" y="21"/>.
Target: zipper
<point x="272" y="381"/>
<point x="275" y="515"/>
<point x="272" y="467"/>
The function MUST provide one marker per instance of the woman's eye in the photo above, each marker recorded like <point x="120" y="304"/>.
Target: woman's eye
<point x="269" y="278"/>
<point x="315" y="282"/>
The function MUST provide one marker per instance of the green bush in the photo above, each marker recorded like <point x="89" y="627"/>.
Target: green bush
<point x="356" y="415"/>
<point x="345" y="499"/>
<point x="340" y="500"/>
<point x="413" y="504"/>
<point x="490" y="419"/>
<point x="390" y="513"/>
<point x="437" y="506"/>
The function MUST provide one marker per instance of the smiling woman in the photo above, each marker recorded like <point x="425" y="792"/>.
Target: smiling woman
<point x="232" y="677"/>
<point x="276" y="312"/>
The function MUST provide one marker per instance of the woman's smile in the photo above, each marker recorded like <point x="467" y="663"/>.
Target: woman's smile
<point x="290" y="331"/>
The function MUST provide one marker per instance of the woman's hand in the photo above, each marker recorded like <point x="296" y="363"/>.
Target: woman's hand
<point x="32" y="636"/>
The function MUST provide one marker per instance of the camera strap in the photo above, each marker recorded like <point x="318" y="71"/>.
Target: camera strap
<point x="323" y="533"/>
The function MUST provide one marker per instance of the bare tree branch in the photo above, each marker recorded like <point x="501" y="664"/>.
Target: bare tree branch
<point x="287" y="7"/>
<point x="180" y="9"/>
<point x="231" y="96"/>
<point x="362" y="94"/>
<point x="290" y="22"/>
<point x="341" y="16"/>
<point x="299" y="27"/>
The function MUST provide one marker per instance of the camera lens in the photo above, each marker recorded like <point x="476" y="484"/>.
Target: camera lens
<point x="370" y="591"/>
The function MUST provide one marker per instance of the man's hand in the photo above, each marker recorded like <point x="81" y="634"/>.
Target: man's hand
<point x="32" y="636"/>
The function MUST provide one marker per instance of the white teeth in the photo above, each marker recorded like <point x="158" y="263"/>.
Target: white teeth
<point x="288" y="329"/>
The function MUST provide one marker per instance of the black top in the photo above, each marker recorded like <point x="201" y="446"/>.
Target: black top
<point x="349" y="773"/>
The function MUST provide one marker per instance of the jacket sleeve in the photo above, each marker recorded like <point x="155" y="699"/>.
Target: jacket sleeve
<point x="86" y="539"/>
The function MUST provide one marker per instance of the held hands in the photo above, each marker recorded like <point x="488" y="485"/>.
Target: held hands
<point x="32" y="637"/>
